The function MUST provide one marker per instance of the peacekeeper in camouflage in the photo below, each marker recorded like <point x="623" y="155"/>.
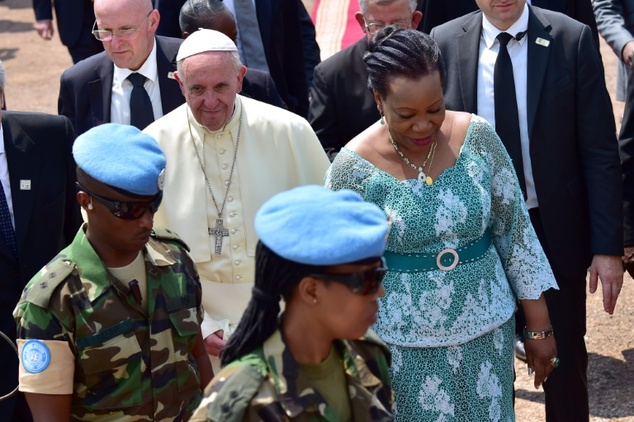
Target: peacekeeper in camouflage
<point x="109" y="330"/>
<point x="321" y="252"/>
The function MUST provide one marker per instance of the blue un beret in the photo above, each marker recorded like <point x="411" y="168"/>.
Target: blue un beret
<point x="123" y="157"/>
<point x="316" y="226"/>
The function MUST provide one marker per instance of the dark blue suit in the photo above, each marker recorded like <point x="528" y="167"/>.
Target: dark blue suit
<point x="288" y="36"/>
<point x="42" y="177"/>
<point x="341" y="104"/>
<point x="85" y="89"/>
<point x="437" y="12"/>
<point x="260" y="86"/>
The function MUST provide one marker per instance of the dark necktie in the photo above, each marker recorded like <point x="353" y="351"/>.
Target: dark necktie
<point x="250" y="37"/>
<point x="506" y="119"/>
<point x="141" y="113"/>
<point x="6" y="227"/>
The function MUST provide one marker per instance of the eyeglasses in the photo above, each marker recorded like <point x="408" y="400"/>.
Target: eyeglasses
<point x="361" y="283"/>
<point x="127" y="210"/>
<point x="123" y="34"/>
<point x="374" y="27"/>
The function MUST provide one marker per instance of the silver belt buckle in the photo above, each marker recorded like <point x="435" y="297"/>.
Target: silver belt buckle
<point x="453" y="264"/>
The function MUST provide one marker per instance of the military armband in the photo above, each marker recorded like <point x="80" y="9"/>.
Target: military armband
<point x="234" y="393"/>
<point x="164" y="234"/>
<point x="41" y="287"/>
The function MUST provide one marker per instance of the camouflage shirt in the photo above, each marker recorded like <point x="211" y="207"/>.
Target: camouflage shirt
<point x="131" y="363"/>
<point x="267" y="385"/>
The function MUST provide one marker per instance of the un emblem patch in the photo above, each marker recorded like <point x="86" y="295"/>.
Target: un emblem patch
<point x="35" y="356"/>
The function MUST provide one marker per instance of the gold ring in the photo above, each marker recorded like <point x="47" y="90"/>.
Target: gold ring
<point x="554" y="362"/>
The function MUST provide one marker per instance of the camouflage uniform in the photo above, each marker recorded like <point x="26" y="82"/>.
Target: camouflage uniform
<point x="131" y="364"/>
<point x="267" y="385"/>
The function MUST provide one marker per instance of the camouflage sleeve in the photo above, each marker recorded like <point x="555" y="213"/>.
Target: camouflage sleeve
<point x="378" y="359"/>
<point x="35" y="315"/>
<point x="186" y="264"/>
<point x="34" y="322"/>
<point x="192" y="273"/>
<point x="228" y="396"/>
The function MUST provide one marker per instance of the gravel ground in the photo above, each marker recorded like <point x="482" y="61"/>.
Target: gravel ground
<point x="34" y="67"/>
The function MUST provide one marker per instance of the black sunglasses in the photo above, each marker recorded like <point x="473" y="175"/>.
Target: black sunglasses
<point x="127" y="210"/>
<point x="361" y="283"/>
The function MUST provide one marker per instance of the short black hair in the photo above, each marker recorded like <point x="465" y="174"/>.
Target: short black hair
<point x="195" y="14"/>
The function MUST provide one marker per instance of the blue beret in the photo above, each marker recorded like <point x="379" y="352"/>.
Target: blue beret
<point x="316" y="226"/>
<point x="123" y="157"/>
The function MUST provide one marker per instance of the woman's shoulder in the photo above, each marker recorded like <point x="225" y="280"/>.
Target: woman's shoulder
<point x="364" y="144"/>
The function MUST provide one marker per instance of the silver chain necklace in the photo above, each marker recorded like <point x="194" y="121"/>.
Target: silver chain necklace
<point x="219" y="231"/>
<point x="421" y="174"/>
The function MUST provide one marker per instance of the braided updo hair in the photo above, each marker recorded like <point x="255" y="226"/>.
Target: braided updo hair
<point x="405" y="53"/>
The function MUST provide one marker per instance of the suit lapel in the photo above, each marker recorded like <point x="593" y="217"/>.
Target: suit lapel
<point x="100" y="92"/>
<point x="171" y="96"/>
<point x="23" y="168"/>
<point x="539" y="39"/>
<point x="468" y="62"/>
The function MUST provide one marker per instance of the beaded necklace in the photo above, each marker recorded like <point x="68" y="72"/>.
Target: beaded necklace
<point x="421" y="173"/>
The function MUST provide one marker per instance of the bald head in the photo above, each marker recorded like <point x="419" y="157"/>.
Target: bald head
<point x="139" y="15"/>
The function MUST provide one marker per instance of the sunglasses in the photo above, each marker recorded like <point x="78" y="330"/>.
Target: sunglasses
<point x="127" y="210"/>
<point x="361" y="283"/>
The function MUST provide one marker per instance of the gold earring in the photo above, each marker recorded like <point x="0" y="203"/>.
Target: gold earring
<point x="314" y="301"/>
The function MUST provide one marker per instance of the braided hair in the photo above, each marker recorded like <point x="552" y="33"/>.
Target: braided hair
<point x="406" y="53"/>
<point x="275" y="277"/>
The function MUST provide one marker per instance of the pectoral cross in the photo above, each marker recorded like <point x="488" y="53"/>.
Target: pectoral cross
<point x="219" y="232"/>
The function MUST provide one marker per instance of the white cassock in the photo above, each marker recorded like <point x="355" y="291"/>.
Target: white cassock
<point x="278" y="150"/>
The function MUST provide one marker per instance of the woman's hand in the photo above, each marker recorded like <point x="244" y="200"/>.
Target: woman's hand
<point x="539" y="356"/>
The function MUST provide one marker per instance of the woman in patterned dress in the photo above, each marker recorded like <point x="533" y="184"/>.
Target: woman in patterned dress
<point x="461" y="251"/>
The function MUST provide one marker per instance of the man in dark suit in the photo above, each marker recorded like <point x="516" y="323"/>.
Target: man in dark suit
<point x="169" y="10"/>
<point x="341" y="104"/>
<point x="288" y="37"/>
<point x="74" y="22"/>
<point x="437" y="12"/>
<point x="568" y="158"/>
<point x="97" y="90"/>
<point x="213" y="14"/>
<point x="615" y="19"/>
<point x="37" y="174"/>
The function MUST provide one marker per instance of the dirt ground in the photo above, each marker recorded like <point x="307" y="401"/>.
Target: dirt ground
<point x="33" y="70"/>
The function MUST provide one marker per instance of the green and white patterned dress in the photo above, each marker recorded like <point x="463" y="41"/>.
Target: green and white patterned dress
<point x="451" y="332"/>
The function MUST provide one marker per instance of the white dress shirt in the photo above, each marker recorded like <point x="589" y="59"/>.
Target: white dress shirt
<point x="122" y="89"/>
<point x="518" y="51"/>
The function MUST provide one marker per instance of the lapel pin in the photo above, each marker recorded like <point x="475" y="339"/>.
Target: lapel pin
<point x="25" y="184"/>
<point x="170" y="75"/>
<point x="542" y="42"/>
